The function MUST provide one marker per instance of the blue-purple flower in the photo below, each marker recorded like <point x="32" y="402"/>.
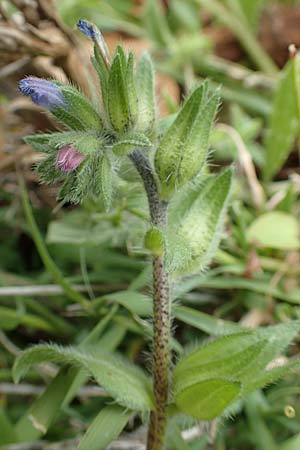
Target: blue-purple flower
<point x="88" y="29"/>
<point x="44" y="93"/>
<point x="68" y="158"/>
<point x="92" y="32"/>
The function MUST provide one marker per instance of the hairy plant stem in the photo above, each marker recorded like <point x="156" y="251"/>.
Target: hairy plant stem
<point x="161" y="310"/>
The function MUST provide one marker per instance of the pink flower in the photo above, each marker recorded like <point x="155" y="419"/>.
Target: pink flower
<point x="68" y="158"/>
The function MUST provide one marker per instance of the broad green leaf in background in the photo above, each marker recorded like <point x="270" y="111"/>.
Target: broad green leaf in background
<point x="11" y="318"/>
<point x="122" y="380"/>
<point x="135" y="302"/>
<point x="106" y="427"/>
<point x="291" y="444"/>
<point x="275" y="229"/>
<point x="45" y="408"/>
<point x="251" y="9"/>
<point x="156" y="23"/>
<point x="205" y="322"/>
<point x="284" y="123"/>
<point x="7" y="434"/>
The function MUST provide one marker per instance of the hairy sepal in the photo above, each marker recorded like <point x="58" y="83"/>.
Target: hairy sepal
<point x="80" y="106"/>
<point x="118" y="106"/>
<point x="146" y="94"/>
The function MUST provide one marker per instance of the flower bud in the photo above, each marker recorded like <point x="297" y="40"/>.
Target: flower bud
<point x="68" y="158"/>
<point x="44" y="93"/>
<point x="92" y="32"/>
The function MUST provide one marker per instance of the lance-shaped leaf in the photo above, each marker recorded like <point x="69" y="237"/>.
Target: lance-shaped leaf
<point x="183" y="149"/>
<point x="106" y="427"/>
<point x="123" y="381"/>
<point x="80" y="107"/>
<point x="192" y="242"/>
<point x="146" y="94"/>
<point x="118" y="107"/>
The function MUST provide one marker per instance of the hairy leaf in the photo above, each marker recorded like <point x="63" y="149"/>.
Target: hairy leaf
<point x="123" y="381"/>
<point x="193" y="241"/>
<point x="208" y="399"/>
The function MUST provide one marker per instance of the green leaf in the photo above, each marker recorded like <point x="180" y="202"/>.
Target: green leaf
<point x="106" y="177"/>
<point x="135" y="302"/>
<point x="275" y="229"/>
<point x="157" y="24"/>
<point x="117" y="96"/>
<point x="252" y="10"/>
<point x="241" y="358"/>
<point x="283" y="124"/>
<point x="72" y="121"/>
<point x="146" y="94"/>
<point x="106" y="427"/>
<point x="173" y="144"/>
<point x="80" y="106"/>
<point x="130" y="142"/>
<point x="225" y="358"/>
<point x="10" y="319"/>
<point x="64" y="385"/>
<point x="192" y="242"/>
<point x="270" y="376"/>
<point x="123" y="381"/>
<point x="291" y="444"/>
<point x="205" y="322"/>
<point x="8" y="434"/>
<point x="208" y="399"/>
<point x="44" y="410"/>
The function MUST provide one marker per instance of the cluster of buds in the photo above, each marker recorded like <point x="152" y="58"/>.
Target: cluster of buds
<point x="98" y="131"/>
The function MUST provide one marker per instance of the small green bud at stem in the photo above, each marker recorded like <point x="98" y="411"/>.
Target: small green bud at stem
<point x="154" y="241"/>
